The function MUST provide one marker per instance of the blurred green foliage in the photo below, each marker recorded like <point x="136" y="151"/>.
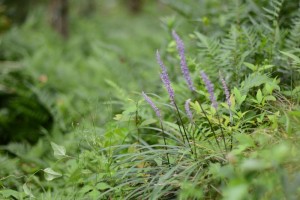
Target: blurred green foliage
<point x="13" y="12"/>
<point x="23" y="116"/>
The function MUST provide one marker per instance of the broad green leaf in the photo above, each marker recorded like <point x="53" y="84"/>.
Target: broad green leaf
<point x="281" y="152"/>
<point x="243" y="98"/>
<point x="253" y="165"/>
<point x="245" y="139"/>
<point x="270" y="98"/>
<point x="50" y="174"/>
<point x="86" y="189"/>
<point x="237" y="94"/>
<point x="6" y="193"/>
<point x="59" y="151"/>
<point x="268" y="88"/>
<point x="237" y="192"/>
<point x="102" y="186"/>
<point x="94" y="194"/>
<point x="250" y="66"/>
<point x="238" y="97"/>
<point x="28" y="191"/>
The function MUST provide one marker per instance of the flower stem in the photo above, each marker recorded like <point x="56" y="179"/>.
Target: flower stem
<point x="222" y="132"/>
<point x="212" y="129"/>
<point x="184" y="130"/>
<point x="165" y="142"/>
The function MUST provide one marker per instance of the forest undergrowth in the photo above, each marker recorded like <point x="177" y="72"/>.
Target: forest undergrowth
<point x="205" y="108"/>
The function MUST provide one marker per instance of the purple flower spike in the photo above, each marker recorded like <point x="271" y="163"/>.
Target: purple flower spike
<point x="165" y="78"/>
<point x="210" y="88"/>
<point x="188" y="110"/>
<point x="226" y="91"/>
<point x="150" y="102"/>
<point x="184" y="68"/>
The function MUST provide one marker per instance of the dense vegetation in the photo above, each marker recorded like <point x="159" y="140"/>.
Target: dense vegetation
<point x="183" y="100"/>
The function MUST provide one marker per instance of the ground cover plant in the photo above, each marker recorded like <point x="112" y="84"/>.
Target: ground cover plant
<point x="222" y="122"/>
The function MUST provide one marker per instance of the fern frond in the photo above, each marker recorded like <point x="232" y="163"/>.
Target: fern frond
<point x="209" y="49"/>
<point x="47" y="99"/>
<point x="232" y="46"/>
<point x="272" y="13"/>
<point x="121" y="94"/>
<point x="293" y="39"/>
<point x="251" y="36"/>
<point x="254" y="80"/>
<point x="210" y="46"/>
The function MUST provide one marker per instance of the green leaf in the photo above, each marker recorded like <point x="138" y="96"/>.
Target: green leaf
<point x="253" y="165"/>
<point x="50" y="174"/>
<point x="245" y="139"/>
<point x="102" y="186"/>
<point x="94" y="194"/>
<point x="281" y="152"/>
<point x="238" y="97"/>
<point x="250" y="66"/>
<point x="28" y="191"/>
<point x="59" y="151"/>
<point x="254" y="80"/>
<point x="237" y="192"/>
<point x="214" y="169"/>
<point x="270" y="98"/>
<point x="10" y="193"/>
<point x="147" y="122"/>
<point x="158" y="161"/>
<point x="264" y="67"/>
<point x="196" y="107"/>
<point x="294" y="57"/>
<point x="259" y="96"/>
<point x="288" y="126"/>
<point x="86" y="189"/>
<point x="237" y="94"/>
<point x="296" y="90"/>
<point x="190" y="191"/>
<point x="268" y="88"/>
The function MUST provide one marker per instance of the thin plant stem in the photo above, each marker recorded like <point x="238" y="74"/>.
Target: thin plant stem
<point x="184" y="130"/>
<point x="193" y="136"/>
<point x="212" y="129"/>
<point x="136" y="124"/>
<point x="165" y="142"/>
<point x="180" y="130"/>
<point x="231" y="123"/>
<point x="222" y="132"/>
<point x="201" y="136"/>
